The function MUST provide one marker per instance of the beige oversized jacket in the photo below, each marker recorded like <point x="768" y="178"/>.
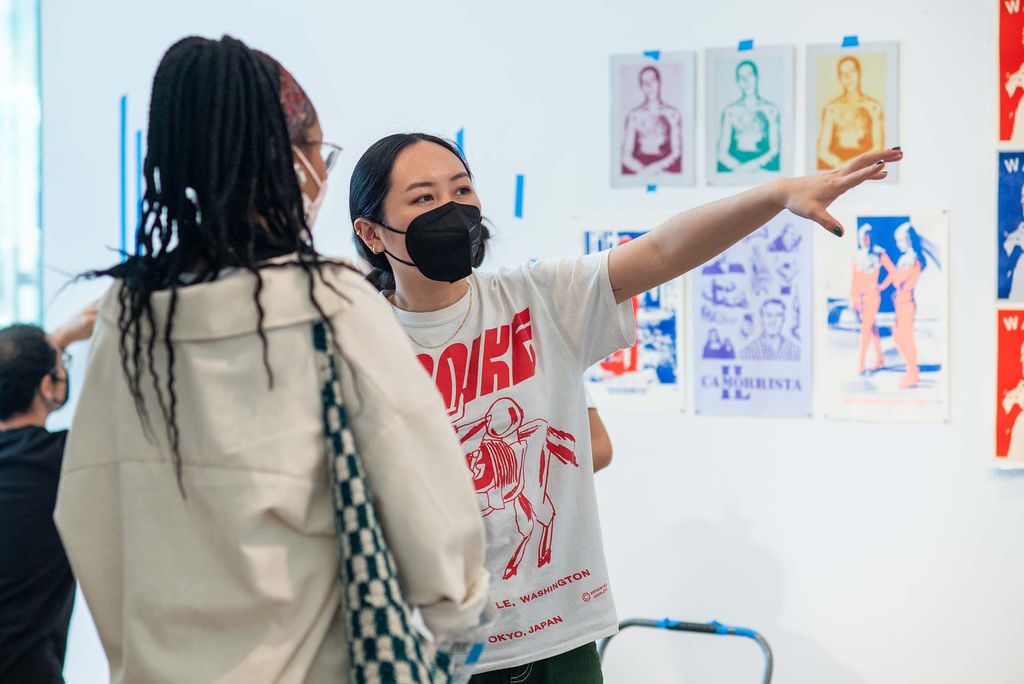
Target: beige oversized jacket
<point x="239" y="582"/>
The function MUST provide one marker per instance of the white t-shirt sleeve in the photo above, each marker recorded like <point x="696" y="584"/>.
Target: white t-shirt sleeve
<point x="579" y="296"/>
<point x="591" y="404"/>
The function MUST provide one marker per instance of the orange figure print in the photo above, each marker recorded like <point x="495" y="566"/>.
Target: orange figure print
<point x="866" y="294"/>
<point x="904" y="279"/>
<point x="852" y="123"/>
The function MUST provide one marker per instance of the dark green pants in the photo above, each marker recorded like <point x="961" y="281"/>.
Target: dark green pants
<point x="579" y="666"/>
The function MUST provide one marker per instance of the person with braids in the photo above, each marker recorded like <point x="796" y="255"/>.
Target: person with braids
<point x="195" y="501"/>
<point x="507" y="352"/>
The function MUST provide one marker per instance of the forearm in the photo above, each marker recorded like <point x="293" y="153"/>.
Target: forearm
<point x="695" y="236"/>
<point x="59" y="338"/>
<point x="691" y="238"/>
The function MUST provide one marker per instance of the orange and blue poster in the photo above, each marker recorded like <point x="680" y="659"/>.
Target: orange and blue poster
<point x="883" y="321"/>
<point x="1010" y="387"/>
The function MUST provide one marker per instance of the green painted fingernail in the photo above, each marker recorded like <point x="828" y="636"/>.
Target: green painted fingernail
<point x="838" y="231"/>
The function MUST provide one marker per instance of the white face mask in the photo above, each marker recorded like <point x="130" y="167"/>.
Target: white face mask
<point x="310" y="207"/>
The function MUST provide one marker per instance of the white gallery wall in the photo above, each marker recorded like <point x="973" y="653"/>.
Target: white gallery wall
<point x="864" y="552"/>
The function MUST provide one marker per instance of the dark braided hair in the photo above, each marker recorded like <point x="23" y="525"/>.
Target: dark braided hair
<point x="221" y="192"/>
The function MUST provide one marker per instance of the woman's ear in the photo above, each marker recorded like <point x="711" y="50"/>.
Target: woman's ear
<point x="369" y="233"/>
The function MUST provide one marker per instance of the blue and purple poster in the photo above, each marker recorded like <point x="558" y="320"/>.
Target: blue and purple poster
<point x="752" y="325"/>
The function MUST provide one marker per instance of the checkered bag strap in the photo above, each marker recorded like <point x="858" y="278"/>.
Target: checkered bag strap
<point x="384" y="648"/>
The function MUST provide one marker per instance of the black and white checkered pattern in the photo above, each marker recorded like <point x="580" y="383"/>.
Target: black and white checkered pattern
<point x="384" y="647"/>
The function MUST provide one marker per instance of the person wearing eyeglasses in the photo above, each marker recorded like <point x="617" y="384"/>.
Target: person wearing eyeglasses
<point x="36" y="585"/>
<point x="196" y="501"/>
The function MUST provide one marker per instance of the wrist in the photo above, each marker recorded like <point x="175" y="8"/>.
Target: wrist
<point x="778" y="192"/>
<point x="59" y="339"/>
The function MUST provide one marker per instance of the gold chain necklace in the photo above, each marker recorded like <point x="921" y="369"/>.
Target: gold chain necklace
<point x="465" y="318"/>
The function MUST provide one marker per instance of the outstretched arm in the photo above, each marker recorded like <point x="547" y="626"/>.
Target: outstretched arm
<point x="695" y="236"/>
<point x="78" y="327"/>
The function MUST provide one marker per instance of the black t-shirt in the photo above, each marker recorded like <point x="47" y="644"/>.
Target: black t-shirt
<point x="37" y="588"/>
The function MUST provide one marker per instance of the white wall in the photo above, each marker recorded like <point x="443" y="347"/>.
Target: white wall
<point x="866" y="553"/>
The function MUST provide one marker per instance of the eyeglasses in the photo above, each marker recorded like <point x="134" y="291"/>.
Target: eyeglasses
<point x="329" y="152"/>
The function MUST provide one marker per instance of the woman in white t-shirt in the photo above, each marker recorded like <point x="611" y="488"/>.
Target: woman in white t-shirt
<point x="507" y="351"/>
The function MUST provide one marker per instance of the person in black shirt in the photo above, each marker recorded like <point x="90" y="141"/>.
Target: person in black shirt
<point x="37" y="588"/>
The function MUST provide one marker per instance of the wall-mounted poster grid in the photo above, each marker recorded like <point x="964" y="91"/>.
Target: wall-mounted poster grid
<point x="752" y="335"/>
<point x="649" y="375"/>
<point x="882" y="318"/>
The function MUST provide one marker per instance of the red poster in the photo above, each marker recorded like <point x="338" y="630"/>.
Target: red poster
<point x="1010" y="386"/>
<point x="1011" y="70"/>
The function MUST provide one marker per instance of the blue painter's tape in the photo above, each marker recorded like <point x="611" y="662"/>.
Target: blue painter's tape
<point x="719" y="627"/>
<point x="746" y="45"/>
<point x="138" y="175"/>
<point x="851" y="41"/>
<point x="744" y="632"/>
<point x="666" y="623"/>
<point x="520" y="181"/>
<point x="474" y="654"/>
<point x="652" y="188"/>
<point x="124" y="175"/>
<point x="653" y="54"/>
<point x="460" y="140"/>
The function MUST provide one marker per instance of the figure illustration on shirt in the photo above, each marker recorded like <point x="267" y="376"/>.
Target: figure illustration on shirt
<point x="510" y="465"/>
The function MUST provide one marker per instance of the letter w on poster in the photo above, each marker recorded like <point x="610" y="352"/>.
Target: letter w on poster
<point x="649" y="375"/>
<point x="752" y="324"/>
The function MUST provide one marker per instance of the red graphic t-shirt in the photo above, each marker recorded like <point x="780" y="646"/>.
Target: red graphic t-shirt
<point x="512" y="379"/>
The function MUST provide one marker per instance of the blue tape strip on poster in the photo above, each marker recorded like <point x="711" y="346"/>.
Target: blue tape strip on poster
<point x="746" y="45"/>
<point x="851" y="41"/>
<point x="124" y="175"/>
<point x="520" y="181"/>
<point x="138" y="175"/>
<point x="653" y="54"/>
